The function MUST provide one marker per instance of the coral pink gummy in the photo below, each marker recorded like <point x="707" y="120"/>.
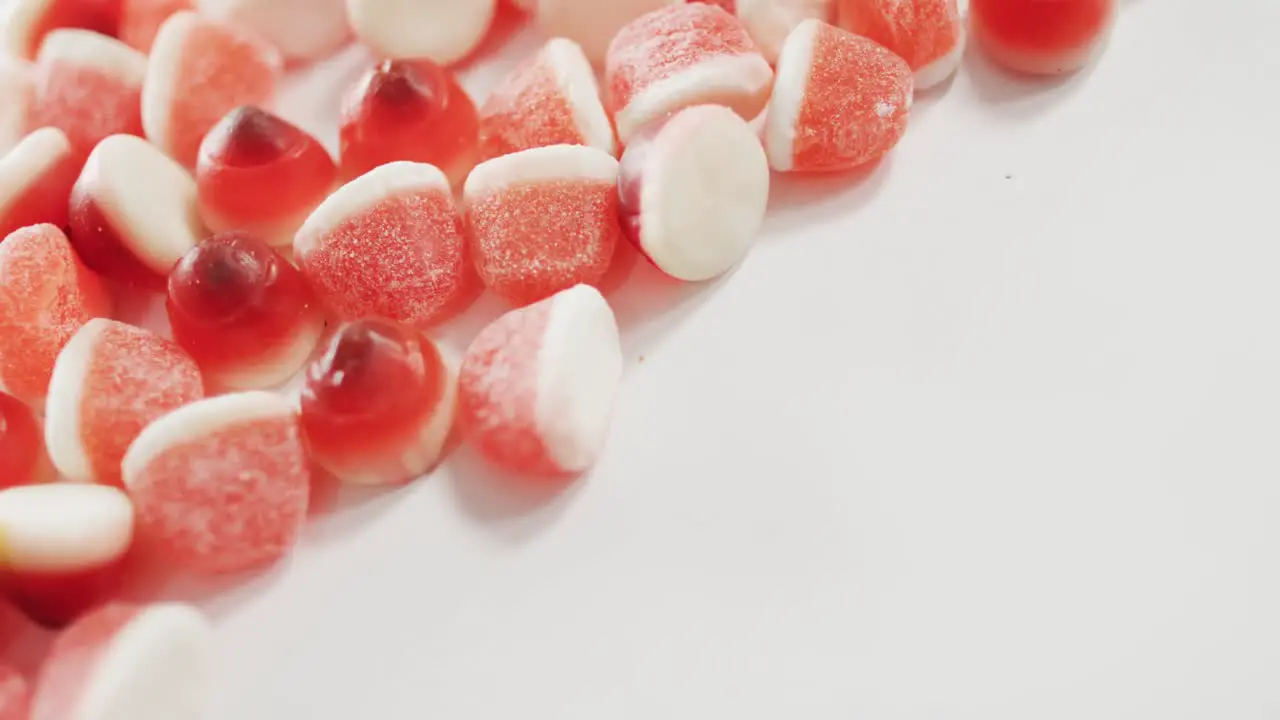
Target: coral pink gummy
<point x="378" y="403"/>
<point x="26" y="23"/>
<point x="35" y="180"/>
<point x="140" y="20"/>
<point x="88" y="85"/>
<point x="133" y="212"/>
<point x="543" y="220"/>
<point x="46" y="295"/>
<point x="21" y="443"/>
<point x="245" y="315"/>
<point x="127" y="661"/>
<point x="549" y="99"/>
<point x="589" y="23"/>
<point x="928" y="34"/>
<point x="839" y="101"/>
<point x="65" y="546"/>
<point x="258" y="173"/>
<point x="537" y="387"/>
<point x="681" y="56"/>
<point x="199" y="71"/>
<point x="222" y="485"/>
<point x="389" y="244"/>
<point x="1042" y="37"/>
<point x="111" y="381"/>
<point x="15" y="695"/>
<point x="302" y="30"/>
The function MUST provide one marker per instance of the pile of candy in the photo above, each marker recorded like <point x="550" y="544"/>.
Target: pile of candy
<point x="139" y="157"/>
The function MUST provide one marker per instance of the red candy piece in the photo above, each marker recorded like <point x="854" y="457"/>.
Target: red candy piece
<point x="21" y="444"/>
<point x="928" y="34"/>
<point x="681" y="56"/>
<point x="378" y="404"/>
<point x="64" y="548"/>
<point x="15" y="695"/>
<point x="590" y="23"/>
<point x="46" y="295"/>
<point x="110" y="382"/>
<point x="125" y="662"/>
<point x="36" y="179"/>
<point x="27" y="22"/>
<point x="410" y="110"/>
<point x="199" y="71"/>
<point x="258" y="173"/>
<point x="537" y="386"/>
<point x="133" y="212"/>
<point x="543" y="220"/>
<point x="17" y="87"/>
<point x="549" y="99"/>
<point x="839" y="101"/>
<point x="222" y="485"/>
<point x="140" y="20"/>
<point x="1042" y="37"/>
<point x="245" y="315"/>
<point x="389" y="244"/>
<point x="88" y="86"/>
<point x="303" y="30"/>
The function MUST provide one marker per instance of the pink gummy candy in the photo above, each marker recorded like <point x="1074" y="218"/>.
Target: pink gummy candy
<point x="199" y="71"/>
<point x="140" y="20"/>
<point x="26" y="23"/>
<point x="222" y="485"/>
<point x="590" y="23"/>
<point x="46" y="295"/>
<point x="303" y="30"/>
<point x="928" y="34"/>
<point x="35" y="180"/>
<point x="1039" y="37"/>
<point x="111" y="381"/>
<point x="89" y="86"/>
<point x="15" y="695"/>
<point x="21" y="443"/>
<point x="388" y="244"/>
<point x="839" y="101"/>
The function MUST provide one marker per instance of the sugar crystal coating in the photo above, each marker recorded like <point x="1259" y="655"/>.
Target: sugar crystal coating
<point x="46" y="295"/>
<point x="928" y="34"/>
<point x="200" y="70"/>
<point x="302" y="30"/>
<point x="222" y="485"/>
<point x="840" y="101"/>
<point x="111" y="381"/>
<point x="543" y="220"/>
<point x="21" y="443"/>
<point x="88" y="86"/>
<point x="26" y="23"/>
<point x="408" y="110"/>
<point x="1043" y="38"/>
<point x="15" y="694"/>
<point x="140" y="20"/>
<point x="36" y="179"/>
<point x="589" y="23"/>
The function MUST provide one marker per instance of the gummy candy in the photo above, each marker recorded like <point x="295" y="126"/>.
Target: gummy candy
<point x="928" y="34"/>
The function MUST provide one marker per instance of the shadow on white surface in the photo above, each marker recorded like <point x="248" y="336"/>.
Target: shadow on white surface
<point x="513" y="508"/>
<point x="1018" y="95"/>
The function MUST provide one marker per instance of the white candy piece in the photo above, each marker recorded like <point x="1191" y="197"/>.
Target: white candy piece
<point x="441" y="30"/>
<point x="28" y="163"/>
<point x="90" y="50"/>
<point x="694" y="193"/>
<point x="147" y="198"/>
<point x="301" y="29"/>
<point x="770" y="21"/>
<point x="17" y="90"/>
<point x="64" y="527"/>
<point x="590" y="23"/>
<point x="128" y="663"/>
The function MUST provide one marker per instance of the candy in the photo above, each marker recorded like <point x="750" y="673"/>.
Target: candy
<point x="1039" y="37"/>
<point x="111" y="381"/>
<point x="408" y="110"/>
<point x="258" y="173"/>
<point x="444" y="31"/>
<point x="21" y="443"/>
<point x="770" y="21"/>
<point x="590" y="23"/>
<point x="46" y="294"/>
<point x="681" y="56"/>
<point x="15" y="695"/>
<point x="242" y="312"/>
<point x="222" y="485"/>
<point x="133" y="212"/>
<point x="36" y="179"/>
<point x="390" y="244"/>
<point x="198" y="72"/>
<point x="549" y="99"/>
<point x="17" y="87"/>
<point x="64" y="547"/>
<point x="140" y="20"/>
<point x="839" y="101"/>
<point x="26" y="23"/>
<point x="537" y="387"/>
<point x="928" y="34"/>
<point x="377" y="405"/>
<point x="543" y="220"/>
<point x="694" y="192"/>
<point x="88" y="85"/>
<point x="302" y="30"/>
<point x="127" y="662"/>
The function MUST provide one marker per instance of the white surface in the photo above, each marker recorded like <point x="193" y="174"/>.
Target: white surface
<point x="987" y="434"/>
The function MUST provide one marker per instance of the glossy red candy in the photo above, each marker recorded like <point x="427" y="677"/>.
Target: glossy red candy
<point x="409" y="110"/>
<point x="378" y="404"/>
<point x="1043" y="37"/>
<point x="258" y="173"/>
<point x="242" y="312"/>
<point x="21" y="444"/>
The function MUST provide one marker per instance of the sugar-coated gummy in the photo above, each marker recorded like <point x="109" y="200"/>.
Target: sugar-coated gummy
<point x="589" y="23"/>
<point x="89" y="86"/>
<point x="928" y="34"/>
<point x="140" y="20"/>
<point x="21" y="443"/>
<point x="302" y="30"/>
<point x="36" y="178"/>
<point x="443" y="31"/>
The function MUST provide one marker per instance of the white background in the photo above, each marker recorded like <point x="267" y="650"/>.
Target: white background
<point x="988" y="433"/>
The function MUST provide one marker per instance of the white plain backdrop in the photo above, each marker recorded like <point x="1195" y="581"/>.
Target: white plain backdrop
<point x="989" y="433"/>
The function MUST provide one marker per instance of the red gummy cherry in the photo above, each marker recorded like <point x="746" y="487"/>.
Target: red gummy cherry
<point x="21" y="443"/>
<point x="409" y="110"/>
<point x="259" y="173"/>
<point x="1045" y="37"/>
